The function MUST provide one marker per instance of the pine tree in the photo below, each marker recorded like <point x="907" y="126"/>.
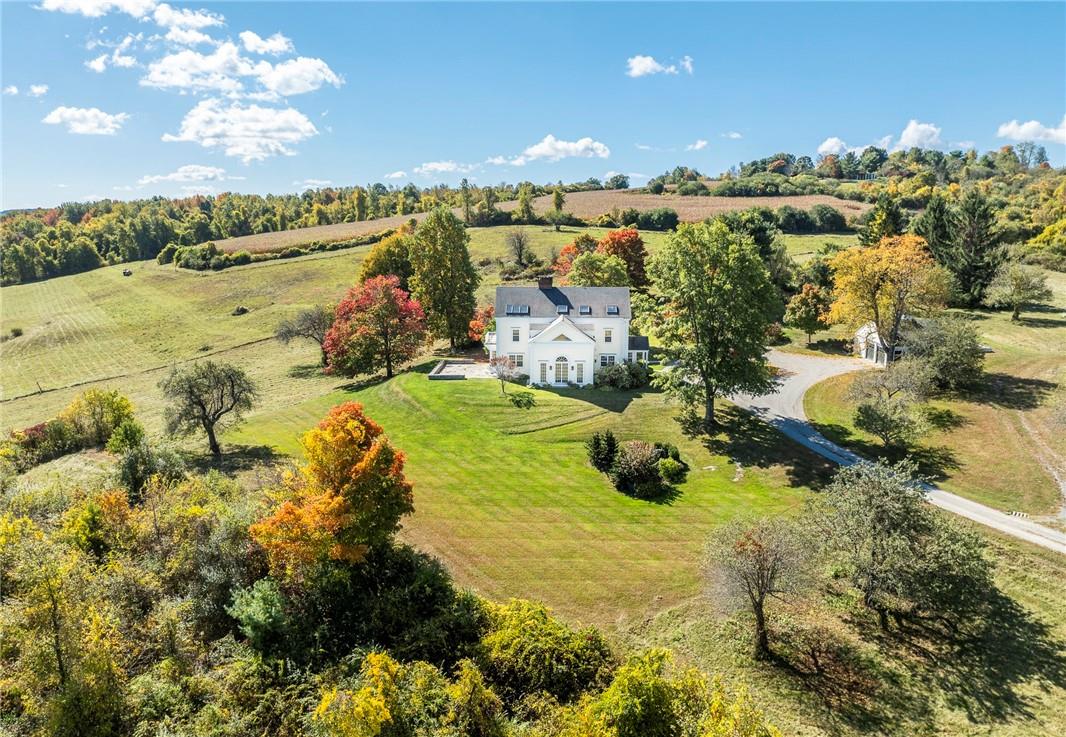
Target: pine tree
<point x="976" y="253"/>
<point x="937" y="226"/>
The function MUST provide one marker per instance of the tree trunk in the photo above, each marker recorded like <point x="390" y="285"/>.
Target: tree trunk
<point x="325" y="356"/>
<point x="809" y="339"/>
<point x="212" y="441"/>
<point x="708" y="410"/>
<point x="57" y="646"/>
<point x="1016" y="315"/>
<point x="388" y="364"/>
<point x="762" y="640"/>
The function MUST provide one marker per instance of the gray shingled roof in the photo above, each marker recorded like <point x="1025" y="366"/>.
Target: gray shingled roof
<point x="543" y="303"/>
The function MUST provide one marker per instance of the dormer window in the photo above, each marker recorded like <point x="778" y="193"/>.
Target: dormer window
<point x="516" y="310"/>
<point x="562" y="309"/>
<point x="612" y="309"/>
<point x="523" y="309"/>
<point x="585" y="309"/>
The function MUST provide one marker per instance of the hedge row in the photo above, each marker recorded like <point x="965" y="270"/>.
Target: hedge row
<point x="208" y="256"/>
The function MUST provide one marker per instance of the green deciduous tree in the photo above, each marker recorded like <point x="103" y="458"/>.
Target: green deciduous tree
<point x="390" y="256"/>
<point x="1016" y="286"/>
<point x="597" y="270"/>
<point x="444" y="280"/>
<point x="720" y="302"/>
<point x="207" y="396"/>
<point x="808" y="310"/>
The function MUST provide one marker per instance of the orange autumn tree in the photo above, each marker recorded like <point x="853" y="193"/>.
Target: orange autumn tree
<point x="627" y="245"/>
<point x="584" y="243"/>
<point x="348" y="497"/>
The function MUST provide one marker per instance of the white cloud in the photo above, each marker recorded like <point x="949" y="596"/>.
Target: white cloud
<point x="11" y="90"/>
<point x="250" y="132"/>
<point x="297" y="76"/>
<point x="396" y="175"/>
<point x="187" y="173"/>
<point x="832" y="145"/>
<point x="497" y="160"/>
<point x="699" y="145"/>
<point x="117" y="57"/>
<point x="38" y="90"/>
<point x="276" y="44"/>
<point x="222" y="70"/>
<point x="964" y="145"/>
<point x="311" y="183"/>
<point x="686" y="64"/>
<point x="190" y="70"/>
<point x="644" y="147"/>
<point x="169" y="17"/>
<point x="732" y="134"/>
<point x="188" y="37"/>
<point x="99" y="64"/>
<point x="920" y="135"/>
<point x="86" y="121"/>
<point x="838" y="147"/>
<point x="551" y="148"/>
<point x="431" y="168"/>
<point x="98" y="8"/>
<point x="640" y="66"/>
<point x="1033" y="130"/>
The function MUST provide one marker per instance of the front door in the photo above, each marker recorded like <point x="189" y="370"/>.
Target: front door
<point x="561" y="370"/>
<point x="580" y="372"/>
<point x="543" y="373"/>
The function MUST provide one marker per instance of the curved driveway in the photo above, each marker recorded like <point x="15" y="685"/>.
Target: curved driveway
<point x="784" y="410"/>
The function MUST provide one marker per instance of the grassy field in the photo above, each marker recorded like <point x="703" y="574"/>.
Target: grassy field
<point x="803" y="248"/>
<point x="999" y="446"/>
<point x="561" y="533"/>
<point x="125" y="332"/>
<point x="581" y="204"/>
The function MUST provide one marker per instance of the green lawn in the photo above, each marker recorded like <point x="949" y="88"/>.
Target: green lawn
<point x="505" y="496"/>
<point x="804" y="247"/>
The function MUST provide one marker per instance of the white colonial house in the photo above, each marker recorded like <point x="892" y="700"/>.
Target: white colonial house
<point x="563" y="335"/>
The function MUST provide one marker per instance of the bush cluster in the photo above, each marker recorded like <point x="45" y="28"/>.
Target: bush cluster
<point x="87" y="422"/>
<point x="208" y="256"/>
<point x="623" y="376"/>
<point x="636" y="467"/>
<point x="660" y="218"/>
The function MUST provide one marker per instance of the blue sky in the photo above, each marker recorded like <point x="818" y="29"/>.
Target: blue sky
<point x="130" y="98"/>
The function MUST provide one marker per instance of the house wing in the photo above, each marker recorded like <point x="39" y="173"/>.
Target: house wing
<point x="562" y="329"/>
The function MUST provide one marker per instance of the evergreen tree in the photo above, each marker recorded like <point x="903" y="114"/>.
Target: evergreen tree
<point x="976" y="253"/>
<point x="937" y="226"/>
<point x="885" y="220"/>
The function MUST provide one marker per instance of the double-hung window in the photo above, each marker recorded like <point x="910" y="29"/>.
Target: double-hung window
<point x="514" y="334"/>
<point x="607" y="335"/>
<point x="518" y="360"/>
<point x="607" y="359"/>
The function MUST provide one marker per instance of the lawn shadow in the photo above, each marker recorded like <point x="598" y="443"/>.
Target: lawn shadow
<point x="829" y="346"/>
<point x="612" y="400"/>
<point x="935" y="462"/>
<point x="666" y="497"/>
<point x="982" y="666"/>
<point x="942" y="418"/>
<point x="306" y="371"/>
<point x="747" y="440"/>
<point x="1014" y="392"/>
<point x="235" y="459"/>
<point x="856" y="691"/>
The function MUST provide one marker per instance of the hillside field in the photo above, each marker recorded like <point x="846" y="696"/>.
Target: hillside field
<point x="584" y="205"/>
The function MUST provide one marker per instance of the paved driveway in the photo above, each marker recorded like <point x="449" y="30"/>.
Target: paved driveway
<point x="784" y="410"/>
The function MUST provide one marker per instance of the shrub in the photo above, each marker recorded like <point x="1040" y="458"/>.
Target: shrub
<point x="623" y="376"/>
<point x="775" y="334"/>
<point x="636" y="470"/>
<point x="656" y="187"/>
<point x="602" y="448"/>
<point x="143" y="461"/>
<point x="527" y="652"/>
<point x="661" y="218"/>
<point x="166" y="255"/>
<point x="16" y="332"/>
<point x="127" y="435"/>
<point x="673" y="472"/>
<point x="292" y="253"/>
<point x="95" y="413"/>
<point x="693" y="189"/>
<point x="828" y="219"/>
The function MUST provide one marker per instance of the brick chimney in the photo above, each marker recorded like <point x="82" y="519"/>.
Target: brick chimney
<point x="544" y="282"/>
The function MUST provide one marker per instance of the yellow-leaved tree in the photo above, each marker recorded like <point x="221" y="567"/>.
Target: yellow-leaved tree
<point x="885" y="282"/>
<point x="347" y="498"/>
